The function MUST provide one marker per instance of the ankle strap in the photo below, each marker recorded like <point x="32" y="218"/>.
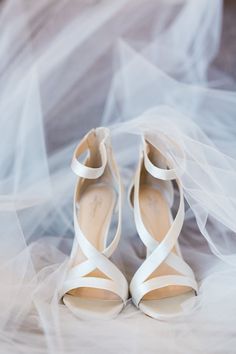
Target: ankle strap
<point x="82" y="170"/>
<point x="160" y="173"/>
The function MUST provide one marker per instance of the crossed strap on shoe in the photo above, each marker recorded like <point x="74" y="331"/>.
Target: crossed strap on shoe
<point x="77" y="277"/>
<point x="159" y="252"/>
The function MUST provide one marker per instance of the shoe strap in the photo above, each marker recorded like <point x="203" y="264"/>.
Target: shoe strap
<point x="113" y="279"/>
<point x="159" y="252"/>
<point x="157" y="172"/>
<point x="82" y="170"/>
<point x="166" y="245"/>
<point x="162" y="282"/>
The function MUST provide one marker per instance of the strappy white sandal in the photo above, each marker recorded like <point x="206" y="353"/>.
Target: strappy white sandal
<point x="94" y="287"/>
<point x="164" y="281"/>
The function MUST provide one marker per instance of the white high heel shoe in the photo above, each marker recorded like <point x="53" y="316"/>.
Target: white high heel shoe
<point x="164" y="281"/>
<point x="94" y="287"/>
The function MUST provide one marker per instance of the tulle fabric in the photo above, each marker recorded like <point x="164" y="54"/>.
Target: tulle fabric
<point x="138" y="67"/>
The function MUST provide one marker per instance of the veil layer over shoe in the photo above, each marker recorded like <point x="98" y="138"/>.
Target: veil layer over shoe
<point x="136" y="66"/>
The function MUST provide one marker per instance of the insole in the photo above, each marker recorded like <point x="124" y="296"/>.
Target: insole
<point x="156" y="218"/>
<point x="94" y="216"/>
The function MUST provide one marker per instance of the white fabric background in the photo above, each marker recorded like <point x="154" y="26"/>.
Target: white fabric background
<point x="134" y="65"/>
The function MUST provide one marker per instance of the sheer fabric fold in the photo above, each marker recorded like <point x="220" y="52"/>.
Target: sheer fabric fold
<point x="139" y="67"/>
